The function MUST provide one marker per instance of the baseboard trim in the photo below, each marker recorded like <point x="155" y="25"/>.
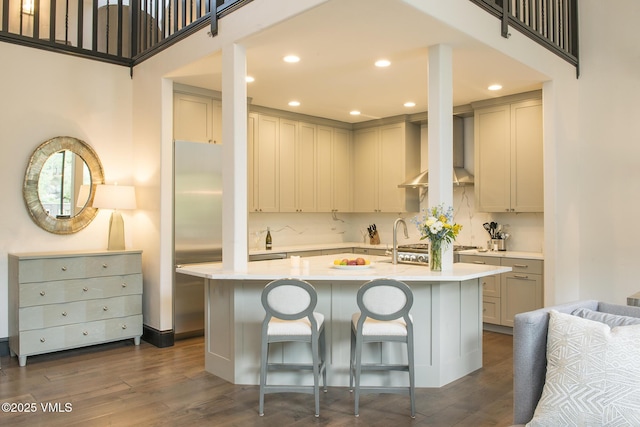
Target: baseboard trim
<point x="158" y="338"/>
<point x="497" y="328"/>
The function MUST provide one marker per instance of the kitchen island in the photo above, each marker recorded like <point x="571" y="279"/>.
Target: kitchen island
<point x="447" y="314"/>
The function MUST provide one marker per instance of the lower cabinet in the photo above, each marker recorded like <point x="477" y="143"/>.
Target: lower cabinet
<point x="63" y="300"/>
<point x="507" y="294"/>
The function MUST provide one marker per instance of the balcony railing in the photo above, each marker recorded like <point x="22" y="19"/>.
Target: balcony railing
<point x="552" y="23"/>
<point x="119" y="31"/>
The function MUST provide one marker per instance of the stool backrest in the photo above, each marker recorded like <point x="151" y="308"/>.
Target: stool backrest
<point x="289" y="299"/>
<point x="385" y="299"/>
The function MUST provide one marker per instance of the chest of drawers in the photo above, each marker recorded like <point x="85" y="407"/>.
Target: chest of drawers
<point x="62" y="300"/>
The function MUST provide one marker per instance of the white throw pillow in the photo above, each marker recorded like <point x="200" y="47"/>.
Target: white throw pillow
<point x="593" y="374"/>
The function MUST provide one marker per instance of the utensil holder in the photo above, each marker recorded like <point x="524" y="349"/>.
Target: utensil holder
<point x="497" y="245"/>
<point x="374" y="239"/>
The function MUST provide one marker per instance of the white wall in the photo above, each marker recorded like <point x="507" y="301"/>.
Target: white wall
<point x="45" y="95"/>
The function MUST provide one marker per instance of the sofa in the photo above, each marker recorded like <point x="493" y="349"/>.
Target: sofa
<point x="530" y="351"/>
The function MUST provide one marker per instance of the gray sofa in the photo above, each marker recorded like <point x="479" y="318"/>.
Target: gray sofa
<point x="529" y="352"/>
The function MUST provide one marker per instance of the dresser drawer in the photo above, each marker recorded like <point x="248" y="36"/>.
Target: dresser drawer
<point x="45" y="316"/>
<point x="62" y="337"/>
<point x="491" y="310"/>
<point x="490" y="286"/>
<point x="65" y="268"/>
<point x="479" y="259"/>
<point x="39" y="293"/>
<point x="532" y="266"/>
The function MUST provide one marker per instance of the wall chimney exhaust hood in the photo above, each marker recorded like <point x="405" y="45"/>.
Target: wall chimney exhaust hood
<point x="460" y="175"/>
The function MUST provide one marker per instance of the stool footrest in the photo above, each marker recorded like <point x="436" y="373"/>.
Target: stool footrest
<point x="308" y="389"/>
<point x="383" y="367"/>
<point x="380" y="389"/>
<point x="292" y="366"/>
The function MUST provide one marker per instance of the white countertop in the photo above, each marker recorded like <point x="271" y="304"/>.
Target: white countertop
<point x="322" y="268"/>
<point x="504" y="254"/>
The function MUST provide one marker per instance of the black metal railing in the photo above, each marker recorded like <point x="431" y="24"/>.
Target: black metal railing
<point x="119" y="31"/>
<point x="552" y="23"/>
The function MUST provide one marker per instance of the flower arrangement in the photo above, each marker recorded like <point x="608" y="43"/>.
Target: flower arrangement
<point x="436" y="224"/>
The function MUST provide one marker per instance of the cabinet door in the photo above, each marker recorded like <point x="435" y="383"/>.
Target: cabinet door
<point x="306" y="168"/>
<point x="342" y="171"/>
<point x="526" y="157"/>
<point x="266" y="164"/>
<point x="492" y="167"/>
<point x="520" y="293"/>
<point x="217" y="122"/>
<point x="491" y="310"/>
<point x="392" y="168"/>
<point x="252" y="124"/>
<point x="324" y="191"/>
<point x="365" y="170"/>
<point x="192" y="118"/>
<point x="287" y="153"/>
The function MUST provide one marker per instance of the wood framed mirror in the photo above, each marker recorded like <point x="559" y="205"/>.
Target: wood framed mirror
<point x="60" y="183"/>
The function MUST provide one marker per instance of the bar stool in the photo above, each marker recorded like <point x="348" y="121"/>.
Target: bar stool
<point x="384" y="317"/>
<point x="289" y="305"/>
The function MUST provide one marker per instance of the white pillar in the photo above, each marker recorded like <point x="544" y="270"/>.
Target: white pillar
<point x="440" y="133"/>
<point x="234" y="158"/>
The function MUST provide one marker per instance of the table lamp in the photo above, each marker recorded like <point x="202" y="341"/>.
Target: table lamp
<point x="115" y="197"/>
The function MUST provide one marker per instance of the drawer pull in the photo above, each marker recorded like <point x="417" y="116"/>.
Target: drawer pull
<point x="104" y="265"/>
<point x="42" y="339"/>
<point x="105" y="308"/>
<point x="124" y="326"/>
<point x="64" y="268"/>
<point x="64" y="313"/>
<point x="85" y="289"/>
<point x="85" y="333"/>
<point x="43" y="293"/>
<point x="124" y="285"/>
<point x="521" y="265"/>
<point x="520" y="276"/>
<point x="479" y="262"/>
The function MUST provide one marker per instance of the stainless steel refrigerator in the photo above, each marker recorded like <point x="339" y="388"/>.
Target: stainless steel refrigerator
<point x="197" y="229"/>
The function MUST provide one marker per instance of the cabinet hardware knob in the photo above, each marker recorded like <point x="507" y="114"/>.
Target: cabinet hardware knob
<point x="85" y="289"/>
<point x="105" y="308"/>
<point x="124" y="285"/>
<point x="484" y="284"/>
<point x="64" y="268"/>
<point x="519" y="276"/>
<point x="104" y="265"/>
<point x="85" y="333"/>
<point x="484" y="310"/>
<point x="124" y="326"/>
<point x="64" y="313"/>
<point x="42" y="340"/>
<point x="521" y="265"/>
<point x="43" y="293"/>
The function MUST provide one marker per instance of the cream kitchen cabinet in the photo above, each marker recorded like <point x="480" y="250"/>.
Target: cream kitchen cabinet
<point x="197" y="118"/>
<point x="334" y="171"/>
<point x="507" y="294"/>
<point x="383" y="157"/>
<point x="508" y="162"/>
<point x="297" y="173"/>
<point x="264" y="163"/>
<point x="63" y="300"/>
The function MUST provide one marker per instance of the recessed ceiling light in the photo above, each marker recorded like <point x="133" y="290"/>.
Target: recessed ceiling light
<point x="291" y="59"/>
<point x="354" y="113"/>
<point x="382" y="63"/>
<point x="495" y="87"/>
<point x="294" y="103"/>
<point x="409" y="104"/>
<point x="250" y="79"/>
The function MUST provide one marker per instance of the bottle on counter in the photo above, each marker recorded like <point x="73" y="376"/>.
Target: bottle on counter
<point x="268" y="242"/>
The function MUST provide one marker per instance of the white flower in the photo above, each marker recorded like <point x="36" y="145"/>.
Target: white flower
<point x="430" y="221"/>
<point x="436" y="227"/>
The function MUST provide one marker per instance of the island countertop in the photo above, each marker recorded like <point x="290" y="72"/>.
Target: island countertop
<point x="322" y="268"/>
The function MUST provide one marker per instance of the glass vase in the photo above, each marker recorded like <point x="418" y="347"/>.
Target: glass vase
<point x="435" y="256"/>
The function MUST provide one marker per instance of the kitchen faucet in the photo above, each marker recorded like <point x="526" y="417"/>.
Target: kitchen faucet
<point x="394" y="255"/>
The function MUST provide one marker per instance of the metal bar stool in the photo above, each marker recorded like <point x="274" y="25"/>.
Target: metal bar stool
<point x="289" y="305"/>
<point x="384" y="316"/>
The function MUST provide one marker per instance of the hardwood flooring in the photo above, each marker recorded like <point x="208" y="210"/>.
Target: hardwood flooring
<point x="119" y="384"/>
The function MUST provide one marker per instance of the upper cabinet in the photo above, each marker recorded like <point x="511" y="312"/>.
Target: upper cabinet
<point x="264" y="162"/>
<point x="334" y="172"/>
<point x="197" y="118"/>
<point x="383" y="157"/>
<point x="508" y="161"/>
<point x="297" y="174"/>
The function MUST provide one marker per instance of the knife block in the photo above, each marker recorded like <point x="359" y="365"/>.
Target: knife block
<point x="375" y="239"/>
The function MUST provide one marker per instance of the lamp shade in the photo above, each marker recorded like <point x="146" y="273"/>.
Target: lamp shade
<point x="115" y="197"/>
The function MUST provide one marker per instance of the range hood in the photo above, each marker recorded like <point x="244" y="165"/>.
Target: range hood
<point x="460" y="175"/>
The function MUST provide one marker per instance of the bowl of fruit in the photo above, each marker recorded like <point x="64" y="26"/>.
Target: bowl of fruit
<point x="351" y="264"/>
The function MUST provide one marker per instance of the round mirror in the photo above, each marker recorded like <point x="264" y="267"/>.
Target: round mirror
<point x="60" y="183"/>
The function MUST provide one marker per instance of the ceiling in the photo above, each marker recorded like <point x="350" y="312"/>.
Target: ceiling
<point x="338" y="43"/>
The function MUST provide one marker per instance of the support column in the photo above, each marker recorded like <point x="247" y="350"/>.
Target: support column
<point x="234" y="158"/>
<point x="440" y="132"/>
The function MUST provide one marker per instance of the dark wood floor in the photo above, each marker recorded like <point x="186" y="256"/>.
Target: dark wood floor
<point x="119" y="384"/>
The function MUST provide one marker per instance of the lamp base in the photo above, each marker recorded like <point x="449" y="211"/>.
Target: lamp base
<point x="116" y="232"/>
